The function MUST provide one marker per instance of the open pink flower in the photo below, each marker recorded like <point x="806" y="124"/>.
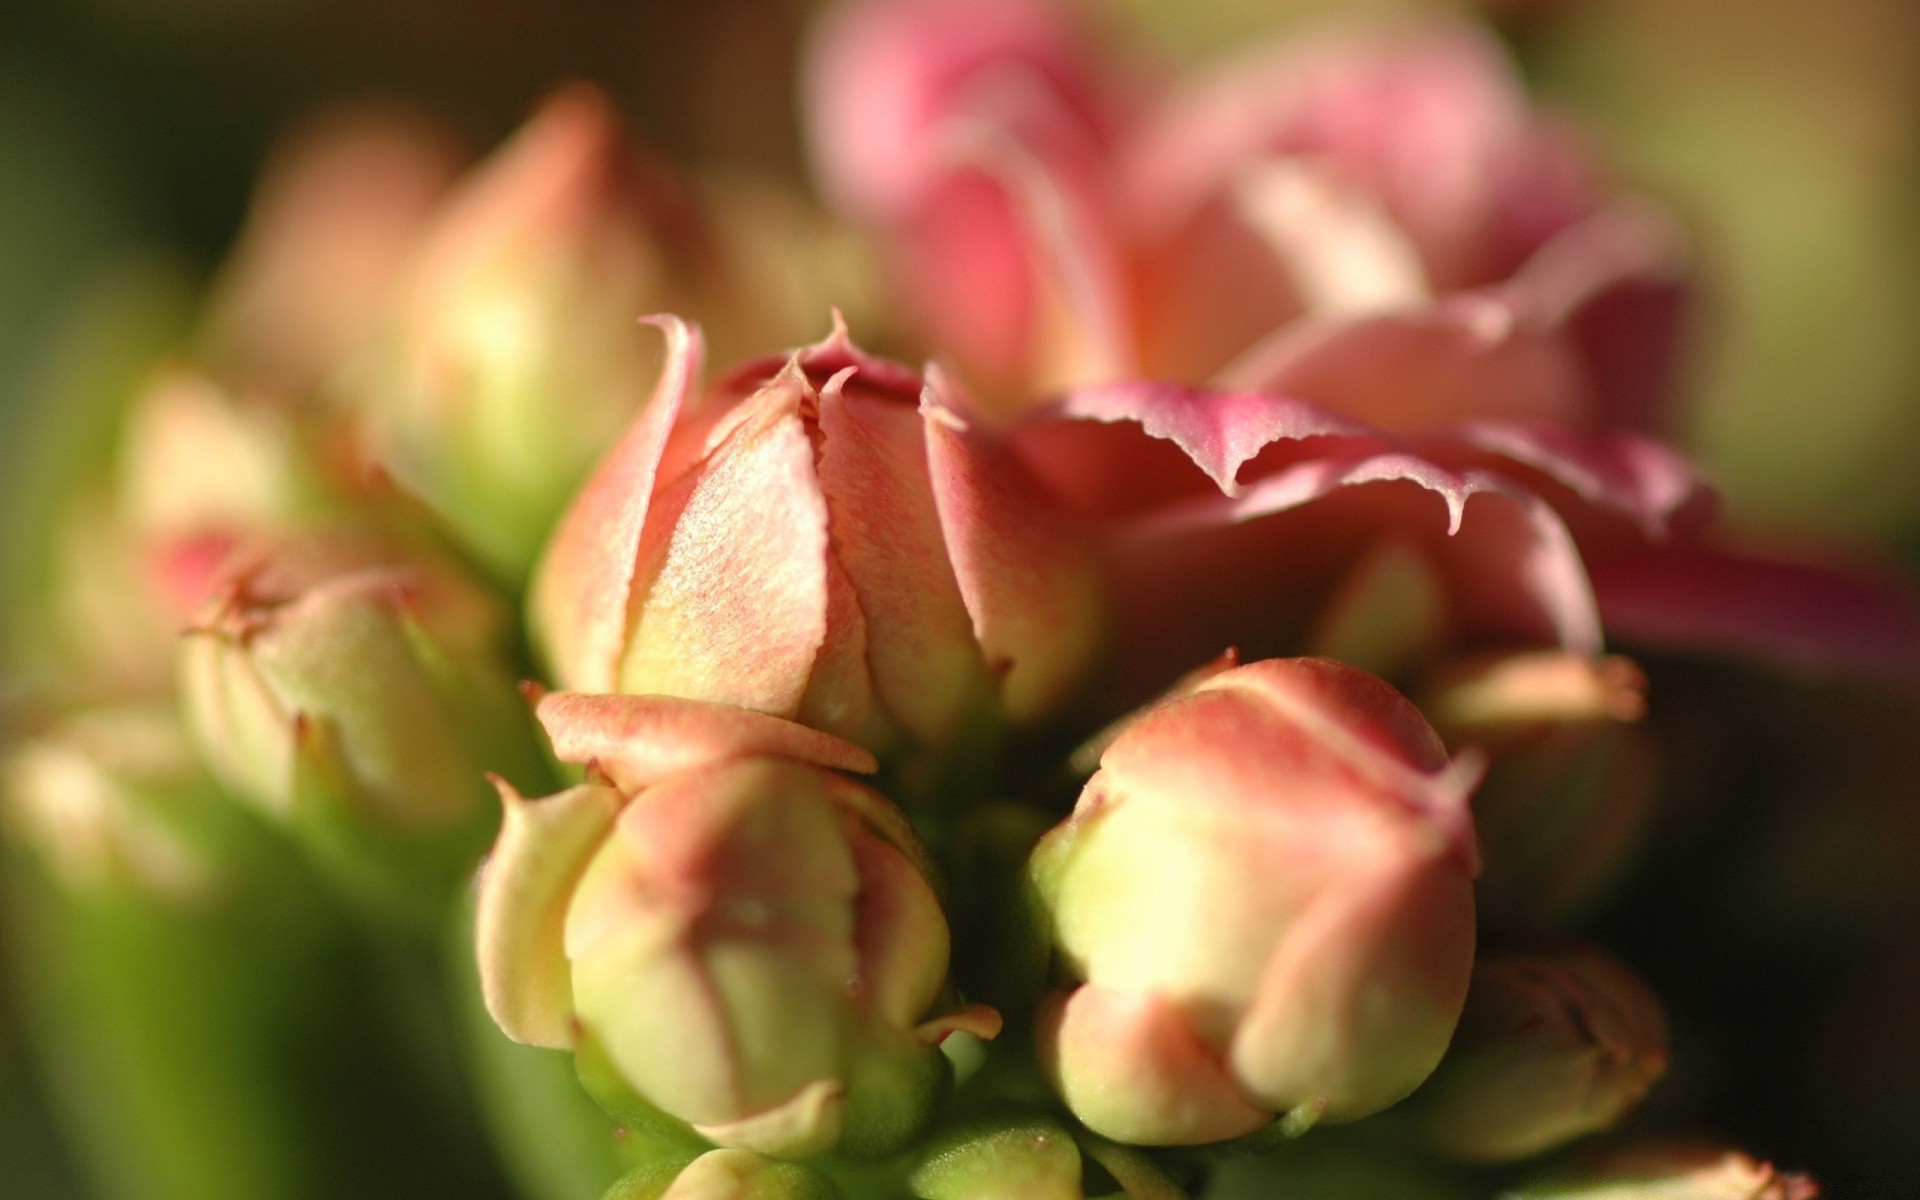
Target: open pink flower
<point x="828" y="537"/>
<point x="1382" y="225"/>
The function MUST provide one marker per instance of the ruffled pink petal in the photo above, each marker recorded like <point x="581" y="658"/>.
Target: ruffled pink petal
<point x="1123" y="449"/>
<point x="1255" y="571"/>
<point x="583" y="585"/>
<point x="1819" y="619"/>
<point x="1029" y="580"/>
<point x="635" y="740"/>
<point x="1632" y="477"/>
<point x="1220" y="431"/>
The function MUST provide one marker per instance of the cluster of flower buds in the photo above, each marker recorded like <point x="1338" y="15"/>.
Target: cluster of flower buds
<point x="1315" y="470"/>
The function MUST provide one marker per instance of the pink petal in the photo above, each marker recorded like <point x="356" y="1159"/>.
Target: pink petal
<point x="1820" y="619"/>
<point x="887" y="535"/>
<point x="1254" y="571"/>
<point x="1617" y="283"/>
<point x="1028" y="578"/>
<point x="1434" y="122"/>
<point x="731" y="577"/>
<point x="521" y="906"/>
<point x="583" y="585"/>
<point x="1634" y="477"/>
<point x="882" y="77"/>
<point x="635" y="740"/>
<point x="1220" y="431"/>
<point x="1131" y="1067"/>
<point x="1466" y="356"/>
<point x="1015" y="261"/>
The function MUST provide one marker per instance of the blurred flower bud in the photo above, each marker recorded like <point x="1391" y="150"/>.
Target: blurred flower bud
<point x="358" y="692"/>
<point x="1670" y="1173"/>
<point x="725" y="1175"/>
<point x="513" y="357"/>
<point x="723" y="930"/>
<point x="1267" y="893"/>
<point x="337" y="210"/>
<point x="1551" y="1047"/>
<point x="1570" y="782"/>
<point x="1032" y="1158"/>
<point x="135" y="559"/>
<point x="830" y="539"/>
<point x="113" y="797"/>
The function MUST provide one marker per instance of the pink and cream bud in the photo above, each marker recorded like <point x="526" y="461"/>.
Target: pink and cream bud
<point x="741" y="936"/>
<point x="1265" y="895"/>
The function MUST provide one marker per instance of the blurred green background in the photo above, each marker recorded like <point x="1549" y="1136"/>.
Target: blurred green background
<point x="1787" y="133"/>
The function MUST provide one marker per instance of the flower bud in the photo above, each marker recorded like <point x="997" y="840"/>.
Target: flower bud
<point x="1671" y="1173"/>
<point x="1033" y="1158"/>
<point x="723" y="929"/>
<point x="726" y="1175"/>
<point x="134" y="560"/>
<point x="1266" y="892"/>
<point x="831" y="540"/>
<point x="513" y="357"/>
<point x="358" y="693"/>
<point x="334" y="216"/>
<point x="1570" y="776"/>
<point x="1551" y="1047"/>
<point x="113" y="797"/>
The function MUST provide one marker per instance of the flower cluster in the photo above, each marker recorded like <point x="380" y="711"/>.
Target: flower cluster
<point x="1176" y="728"/>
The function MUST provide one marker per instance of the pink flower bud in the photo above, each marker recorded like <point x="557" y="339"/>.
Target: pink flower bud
<point x="832" y="538"/>
<point x="1551" y="1047"/>
<point x="358" y="692"/>
<point x="1266" y="893"/>
<point x="334" y="216"/>
<point x="513" y="357"/>
<point x="746" y="939"/>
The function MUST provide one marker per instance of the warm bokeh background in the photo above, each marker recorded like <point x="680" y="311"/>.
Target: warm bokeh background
<point x="1786" y="132"/>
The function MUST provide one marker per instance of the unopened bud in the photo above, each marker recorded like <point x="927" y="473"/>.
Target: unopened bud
<point x="1570" y="775"/>
<point x="1266" y="891"/>
<point x="515" y="354"/>
<point x="723" y="929"/>
<point x="113" y="797"/>
<point x="1671" y="1173"/>
<point x="358" y="692"/>
<point x="1551" y="1047"/>
<point x="831" y="538"/>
